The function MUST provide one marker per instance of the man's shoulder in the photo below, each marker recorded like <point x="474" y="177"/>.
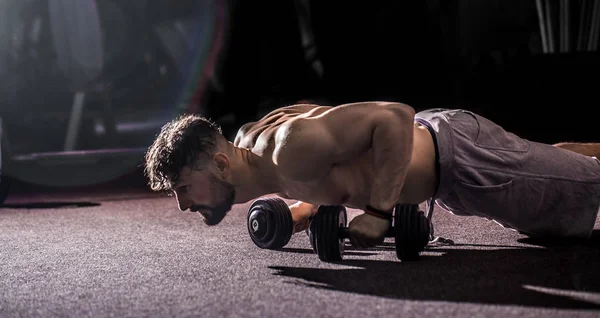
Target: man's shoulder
<point x="279" y="119"/>
<point x="265" y="131"/>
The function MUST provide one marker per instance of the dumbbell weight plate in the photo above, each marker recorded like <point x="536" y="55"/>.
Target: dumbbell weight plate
<point x="324" y="232"/>
<point x="270" y="223"/>
<point x="411" y="232"/>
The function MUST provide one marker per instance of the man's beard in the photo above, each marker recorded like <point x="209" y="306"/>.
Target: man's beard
<point x="226" y="194"/>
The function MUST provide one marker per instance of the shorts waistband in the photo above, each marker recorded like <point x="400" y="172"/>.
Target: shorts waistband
<point x="437" y="123"/>
<point x="436" y="148"/>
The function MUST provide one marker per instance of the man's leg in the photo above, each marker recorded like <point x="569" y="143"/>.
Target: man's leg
<point x="531" y="187"/>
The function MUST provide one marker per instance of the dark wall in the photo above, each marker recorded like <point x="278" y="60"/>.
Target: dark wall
<point x="389" y="52"/>
<point x="262" y="64"/>
<point x="480" y="55"/>
<point x="501" y="71"/>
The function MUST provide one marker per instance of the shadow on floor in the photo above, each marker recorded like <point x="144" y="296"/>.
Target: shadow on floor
<point x="50" y="205"/>
<point x="558" y="275"/>
<point x="310" y="251"/>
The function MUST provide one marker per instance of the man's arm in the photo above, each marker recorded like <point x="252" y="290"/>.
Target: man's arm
<point x="586" y="149"/>
<point x="308" y="147"/>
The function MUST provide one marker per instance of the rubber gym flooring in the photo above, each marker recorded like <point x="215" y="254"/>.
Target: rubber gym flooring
<point x="118" y="250"/>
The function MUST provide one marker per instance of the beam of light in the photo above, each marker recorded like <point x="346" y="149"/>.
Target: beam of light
<point x="204" y="58"/>
<point x="589" y="297"/>
<point x="88" y="41"/>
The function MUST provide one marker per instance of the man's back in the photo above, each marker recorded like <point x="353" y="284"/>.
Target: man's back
<point x="259" y="135"/>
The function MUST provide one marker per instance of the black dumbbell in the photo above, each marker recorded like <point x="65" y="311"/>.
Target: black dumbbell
<point x="328" y="230"/>
<point x="270" y="223"/>
<point x="411" y="232"/>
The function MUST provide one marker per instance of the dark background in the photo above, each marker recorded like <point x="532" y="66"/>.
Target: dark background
<point x="484" y="56"/>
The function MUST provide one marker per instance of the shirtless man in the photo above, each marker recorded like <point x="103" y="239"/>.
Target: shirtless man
<point x="372" y="156"/>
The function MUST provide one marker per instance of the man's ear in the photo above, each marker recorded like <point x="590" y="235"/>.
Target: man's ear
<point x="222" y="163"/>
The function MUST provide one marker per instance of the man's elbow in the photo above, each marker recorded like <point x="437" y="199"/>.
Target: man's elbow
<point x="403" y="110"/>
<point x="396" y="119"/>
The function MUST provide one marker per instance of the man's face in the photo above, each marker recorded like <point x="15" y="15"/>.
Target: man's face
<point x="202" y="191"/>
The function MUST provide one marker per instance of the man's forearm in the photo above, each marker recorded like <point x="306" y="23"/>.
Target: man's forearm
<point x="392" y="151"/>
<point x="586" y="149"/>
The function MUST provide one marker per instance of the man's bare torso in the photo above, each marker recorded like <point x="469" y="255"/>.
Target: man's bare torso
<point x="349" y="181"/>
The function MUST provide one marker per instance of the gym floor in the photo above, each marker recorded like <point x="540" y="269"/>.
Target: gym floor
<point x="119" y="250"/>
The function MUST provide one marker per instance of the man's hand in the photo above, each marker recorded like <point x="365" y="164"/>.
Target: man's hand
<point x="301" y="213"/>
<point x="367" y="231"/>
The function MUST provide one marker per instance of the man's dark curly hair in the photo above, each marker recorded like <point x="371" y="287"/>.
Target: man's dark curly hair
<point x="180" y="143"/>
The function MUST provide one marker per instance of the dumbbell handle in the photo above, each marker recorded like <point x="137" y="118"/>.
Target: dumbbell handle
<point x="343" y="232"/>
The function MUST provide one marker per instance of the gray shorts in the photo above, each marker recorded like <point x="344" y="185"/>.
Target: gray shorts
<point x="534" y="188"/>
